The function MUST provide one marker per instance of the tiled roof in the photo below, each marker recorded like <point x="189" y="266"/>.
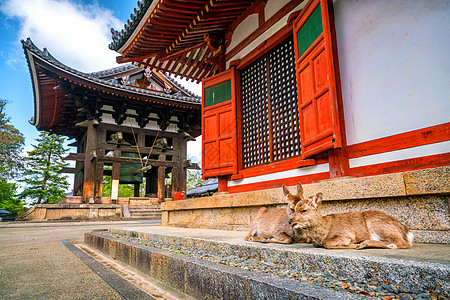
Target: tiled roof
<point x="184" y="38"/>
<point x="96" y="77"/>
<point x="114" y="71"/>
<point x="120" y="37"/>
<point x="209" y="186"/>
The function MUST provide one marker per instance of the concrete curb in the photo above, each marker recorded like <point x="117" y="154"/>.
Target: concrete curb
<point x="203" y="279"/>
<point x="423" y="276"/>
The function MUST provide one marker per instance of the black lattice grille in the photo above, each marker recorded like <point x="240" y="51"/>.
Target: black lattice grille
<point x="284" y="102"/>
<point x="261" y="143"/>
<point x="255" y="109"/>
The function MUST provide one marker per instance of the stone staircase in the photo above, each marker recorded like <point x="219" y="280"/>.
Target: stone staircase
<point x="147" y="212"/>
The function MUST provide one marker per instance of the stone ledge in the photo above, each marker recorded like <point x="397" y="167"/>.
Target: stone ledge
<point x="203" y="279"/>
<point x="419" y="182"/>
<point x="69" y="211"/>
<point x="410" y="268"/>
<point x="73" y="205"/>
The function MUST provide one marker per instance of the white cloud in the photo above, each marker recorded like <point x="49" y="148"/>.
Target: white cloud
<point x="194" y="87"/>
<point x="76" y="35"/>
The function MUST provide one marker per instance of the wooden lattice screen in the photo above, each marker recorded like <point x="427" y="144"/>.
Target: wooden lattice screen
<point x="270" y="115"/>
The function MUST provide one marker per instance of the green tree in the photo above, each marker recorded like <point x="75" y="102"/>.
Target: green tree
<point x="43" y="178"/>
<point x="11" y="145"/>
<point x="194" y="177"/>
<point x="125" y="190"/>
<point x="8" y="198"/>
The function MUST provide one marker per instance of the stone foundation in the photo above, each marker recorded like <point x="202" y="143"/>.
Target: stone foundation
<point x="58" y="211"/>
<point x="419" y="199"/>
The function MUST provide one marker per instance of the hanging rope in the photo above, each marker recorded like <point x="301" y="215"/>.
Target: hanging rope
<point x="134" y="136"/>
<point x="156" y="137"/>
<point x="144" y="167"/>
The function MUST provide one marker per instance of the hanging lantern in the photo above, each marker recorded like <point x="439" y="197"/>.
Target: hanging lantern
<point x="126" y="171"/>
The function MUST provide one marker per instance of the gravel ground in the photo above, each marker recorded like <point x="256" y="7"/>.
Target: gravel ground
<point x="374" y="289"/>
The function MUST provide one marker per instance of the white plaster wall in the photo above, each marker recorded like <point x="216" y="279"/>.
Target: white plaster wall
<point x="272" y="7"/>
<point x="250" y="24"/>
<point x="394" y="58"/>
<point x="245" y="32"/>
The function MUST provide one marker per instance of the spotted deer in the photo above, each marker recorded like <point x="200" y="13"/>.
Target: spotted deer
<point x="351" y="230"/>
<point x="273" y="225"/>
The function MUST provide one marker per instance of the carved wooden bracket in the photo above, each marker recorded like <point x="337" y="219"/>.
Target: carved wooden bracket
<point x="120" y="112"/>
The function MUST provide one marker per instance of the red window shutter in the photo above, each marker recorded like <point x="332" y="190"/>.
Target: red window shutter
<point x="219" y="155"/>
<point x="316" y="79"/>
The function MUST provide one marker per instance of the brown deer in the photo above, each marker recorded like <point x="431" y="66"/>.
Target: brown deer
<point x="351" y="230"/>
<point x="273" y="226"/>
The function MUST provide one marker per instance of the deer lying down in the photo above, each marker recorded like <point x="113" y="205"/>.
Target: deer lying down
<point x="273" y="226"/>
<point x="351" y="230"/>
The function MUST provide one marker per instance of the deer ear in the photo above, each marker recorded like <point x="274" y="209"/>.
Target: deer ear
<point x="299" y="188"/>
<point x="285" y="190"/>
<point x="317" y="199"/>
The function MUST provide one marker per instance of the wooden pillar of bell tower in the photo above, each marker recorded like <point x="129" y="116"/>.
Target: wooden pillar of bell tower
<point x="90" y="164"/>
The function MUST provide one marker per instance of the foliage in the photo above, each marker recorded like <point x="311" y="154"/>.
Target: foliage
<point x="43" y="178"/>
<point x="11" y="144"/>
<point x="193" y="178"/>
<point x="8" y="200"/>
<point x="125" y="190"/>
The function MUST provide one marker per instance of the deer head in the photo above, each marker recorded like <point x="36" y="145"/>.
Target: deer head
<point x="292" y="200"/>
<point x="306" y="212"/>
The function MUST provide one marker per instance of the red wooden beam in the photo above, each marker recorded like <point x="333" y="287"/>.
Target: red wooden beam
<point x="181" y="52"/>
<point x="122" y="59"/>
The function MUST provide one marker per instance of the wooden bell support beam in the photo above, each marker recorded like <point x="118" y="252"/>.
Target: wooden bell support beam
<point x="161" y="179"/>
<point x="99" y="164"/>
<point x="89" y="164"/>
<point x="78" y="177"/>
<point x="151" y="184"/>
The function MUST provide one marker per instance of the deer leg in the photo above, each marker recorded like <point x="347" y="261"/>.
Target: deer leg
<point x="252" y="238"/>
<point x="339" y="242"/>
<point x="381" y="244"/>
<point x="281" y="238"/>
<point x="249" y="237"/>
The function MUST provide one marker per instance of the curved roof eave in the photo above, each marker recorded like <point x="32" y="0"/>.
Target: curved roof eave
<point x="32" y="50"/>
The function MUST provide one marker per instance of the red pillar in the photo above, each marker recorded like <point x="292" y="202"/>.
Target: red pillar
<point x="223" y="184"/>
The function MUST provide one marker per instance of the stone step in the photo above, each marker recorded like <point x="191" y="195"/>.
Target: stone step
<point x="131" y="208"/>
<point x="202" y="279"/>
<point x="144" y="211"/>
<point x="152" y="211"/>
<point x="146" y="215"/>
<point x="412" y="269"/>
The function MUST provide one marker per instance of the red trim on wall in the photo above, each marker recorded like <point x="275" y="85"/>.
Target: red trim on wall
<point x="425" y="162"/>
<point x="271" y="184"/>
<point x="424" y="136"/>
<point x="280" y="166"/>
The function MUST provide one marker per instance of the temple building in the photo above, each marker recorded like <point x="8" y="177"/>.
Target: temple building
<point x="350" y="98"/>
<point x="127" y="122"/>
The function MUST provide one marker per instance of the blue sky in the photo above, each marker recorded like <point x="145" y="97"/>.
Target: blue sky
<point x="76" y="32"/>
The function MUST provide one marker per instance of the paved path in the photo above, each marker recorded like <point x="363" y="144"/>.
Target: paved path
<point x="35" y="264"/>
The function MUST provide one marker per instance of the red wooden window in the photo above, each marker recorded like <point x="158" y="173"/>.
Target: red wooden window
<point x="316" y="79"/>
<point x="219" y="155"/>
<point x="269" y="108"/>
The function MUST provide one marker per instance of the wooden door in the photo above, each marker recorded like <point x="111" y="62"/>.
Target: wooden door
<point x="219" y="155"/>
<point x="315" y="65"/>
